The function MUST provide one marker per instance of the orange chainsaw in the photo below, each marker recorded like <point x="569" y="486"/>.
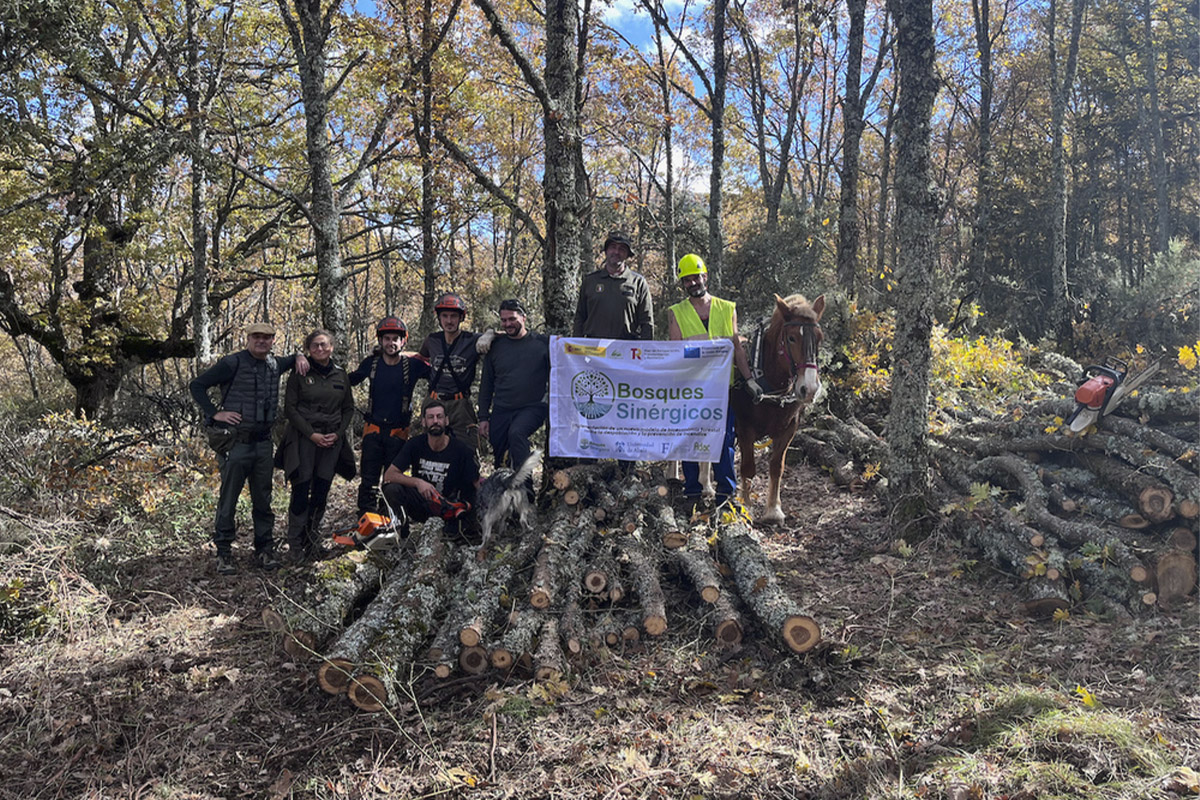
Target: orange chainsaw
<point x="373" y="532"/>
<point x="1102" y="388"/>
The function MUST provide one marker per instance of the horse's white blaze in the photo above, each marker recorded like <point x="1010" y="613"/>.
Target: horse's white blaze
<point x="809" y="384"/>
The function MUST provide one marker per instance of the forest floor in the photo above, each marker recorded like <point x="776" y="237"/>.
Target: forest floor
<point x="158" y="680"/>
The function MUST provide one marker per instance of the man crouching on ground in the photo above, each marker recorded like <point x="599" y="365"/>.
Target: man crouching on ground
<point x="444" y="475"/>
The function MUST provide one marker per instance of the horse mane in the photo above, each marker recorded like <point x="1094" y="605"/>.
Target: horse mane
<point x="798" y="307"/>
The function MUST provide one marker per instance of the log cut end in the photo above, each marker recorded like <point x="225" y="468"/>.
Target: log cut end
<point x="1182" y="539"/>
<point x="443" y="671"/>
<point x="595" y="581"/>
<point x="1044" y="607"/>
<point x="273" y="621"/>
<point x="334" y="675"/>
<point x="501" y="658"/>
<point x="300" y="645"/>
<point x="728" y="633"/>
<point x="561" y="480"/>
<point x="469" y="636"/>
<point x="801" y="633"/>
<point x="368" y="693"/>
<point x="655" y="624"/>
<point x="473" y="660"/>
<point x="1176" y="576"/>
<point x="1189" y="509"/>
<point x="1139" y="574"/>
<point x="1133" y="522"/>
<point x="571" y="497"/>
<point x="673" y="540"/>
<point x="1156" y="503"/>
<point x="710" y="594"/>
<point x="539" y="598"/>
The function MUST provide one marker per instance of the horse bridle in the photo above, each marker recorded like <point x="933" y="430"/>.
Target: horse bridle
<point x="809" y="329"/>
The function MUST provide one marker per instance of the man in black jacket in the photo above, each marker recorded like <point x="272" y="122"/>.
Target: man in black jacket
<point x="393" y="377"/>
<point x="453" y="364"/>
<point x="514" y="395"/>
<point x="249" y="406"/>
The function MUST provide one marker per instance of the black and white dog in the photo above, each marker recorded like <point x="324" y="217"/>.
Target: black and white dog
<point x="503" y="494"/>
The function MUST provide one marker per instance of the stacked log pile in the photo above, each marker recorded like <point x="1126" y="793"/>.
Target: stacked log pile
<point x="608" y="562"/>
<point x="1107" y="518"/>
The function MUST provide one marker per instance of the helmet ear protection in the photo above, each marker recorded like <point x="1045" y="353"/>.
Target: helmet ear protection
<point x="691" y="264"/>
<point x="391" y="325"/>
<point x="450" y="302"/>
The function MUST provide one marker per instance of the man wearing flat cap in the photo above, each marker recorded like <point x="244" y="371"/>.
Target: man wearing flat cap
<point x="514" y="395"/>
<point x="614" y="301"/>
<point x="249" y="383"/>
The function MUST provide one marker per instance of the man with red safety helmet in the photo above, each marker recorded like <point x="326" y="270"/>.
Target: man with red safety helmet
<point x="393" y="377"/>
<point x="453" y="364"/>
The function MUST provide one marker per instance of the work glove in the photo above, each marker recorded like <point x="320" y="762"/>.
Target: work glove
<point x="754" y="390"/>
<point x="484" y="342"/>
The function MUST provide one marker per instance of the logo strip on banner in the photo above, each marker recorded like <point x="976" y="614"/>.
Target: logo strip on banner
<point x="638" y="401"/>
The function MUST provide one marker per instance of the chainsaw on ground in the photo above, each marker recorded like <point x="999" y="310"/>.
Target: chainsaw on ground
<point x="1103" y="387"/>
<point x="373" y="532"/>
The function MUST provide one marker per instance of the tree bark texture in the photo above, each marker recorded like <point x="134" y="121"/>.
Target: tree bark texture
<point x="916" y="212"/>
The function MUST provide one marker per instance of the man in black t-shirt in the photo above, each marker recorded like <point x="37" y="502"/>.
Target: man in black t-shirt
<point x="444" y="472"/>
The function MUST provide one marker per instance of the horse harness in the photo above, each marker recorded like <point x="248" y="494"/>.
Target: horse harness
<point x="757" y="357"/>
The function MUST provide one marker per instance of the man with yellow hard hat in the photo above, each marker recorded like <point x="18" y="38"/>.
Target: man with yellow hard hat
<point x="702" y="316"/>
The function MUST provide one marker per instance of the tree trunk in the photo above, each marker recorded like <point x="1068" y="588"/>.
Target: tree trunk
<point x="560" y="272"/>
<point x="1062" y="79"/>
<point x="977" y="268"/>
<point x="335" y="589"/>
<point x="716" y="232"/>
<point x="916" y="215"/>
<point x="198" y="130"/>
<point x="852" y="128"/>
<point x="310" y="30"/>
<point x="756" y="582"/>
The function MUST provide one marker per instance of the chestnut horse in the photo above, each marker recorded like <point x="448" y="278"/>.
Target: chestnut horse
<point x="788" y="358"/>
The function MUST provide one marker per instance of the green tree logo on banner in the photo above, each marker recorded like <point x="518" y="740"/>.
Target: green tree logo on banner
<point x="593" y="394"/>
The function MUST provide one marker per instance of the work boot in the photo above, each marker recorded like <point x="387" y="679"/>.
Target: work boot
<point x="295" y="536"/>
<point x="226" y="564"/>
<point x="265" y="559"/>
<point x="314" y="548"/>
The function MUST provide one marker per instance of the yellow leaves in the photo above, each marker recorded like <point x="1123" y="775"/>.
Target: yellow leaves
<point x="870" y="471"/>
<point x="1054" y="426"/>
<point x="1061" y="615"/>
<point x="1086" y="696"/>
<point x="1183" y="780"/>
<point x="458" y="776"/>
<point x="1188" y="356"/>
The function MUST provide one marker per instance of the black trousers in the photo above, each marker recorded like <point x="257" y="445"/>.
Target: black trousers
<point x="379" y="450"/>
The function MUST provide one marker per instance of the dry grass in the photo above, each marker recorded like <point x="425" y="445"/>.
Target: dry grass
<point x="146" y="675"/>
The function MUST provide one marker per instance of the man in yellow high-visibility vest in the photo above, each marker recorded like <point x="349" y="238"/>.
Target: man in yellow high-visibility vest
<point x="702" y="316"/>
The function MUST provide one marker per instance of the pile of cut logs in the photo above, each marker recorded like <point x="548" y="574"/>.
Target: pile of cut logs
<point x="588" y="575"/>
<point x="1107" y="518"/>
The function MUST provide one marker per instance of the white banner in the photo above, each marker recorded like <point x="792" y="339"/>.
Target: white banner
<point x="639" y="400"/>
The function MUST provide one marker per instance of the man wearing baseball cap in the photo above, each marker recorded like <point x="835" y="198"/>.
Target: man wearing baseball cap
<point x="249" y="382"/>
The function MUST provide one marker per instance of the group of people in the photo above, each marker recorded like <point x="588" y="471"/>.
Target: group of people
<point x="436" y="472"/>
